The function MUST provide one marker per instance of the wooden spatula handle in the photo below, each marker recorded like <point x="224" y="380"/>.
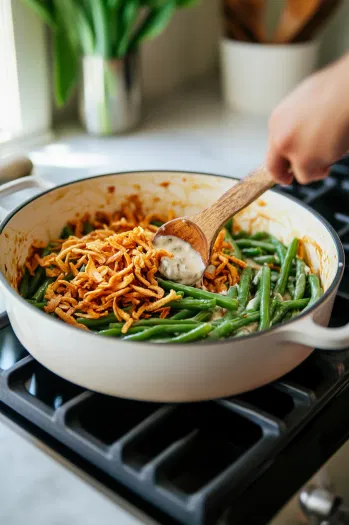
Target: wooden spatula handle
<point x="233" y="201"/>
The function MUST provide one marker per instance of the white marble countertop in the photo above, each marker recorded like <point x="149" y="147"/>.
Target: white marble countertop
<point x="188" y="131"/>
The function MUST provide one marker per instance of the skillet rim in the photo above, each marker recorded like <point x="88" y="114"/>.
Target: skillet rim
<point x="335" y="283"/>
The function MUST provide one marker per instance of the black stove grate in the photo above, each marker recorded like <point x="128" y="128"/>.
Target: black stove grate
<point x="191" y="461"/>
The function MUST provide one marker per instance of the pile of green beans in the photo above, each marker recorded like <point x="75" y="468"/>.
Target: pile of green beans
<point x="274" y="287"/>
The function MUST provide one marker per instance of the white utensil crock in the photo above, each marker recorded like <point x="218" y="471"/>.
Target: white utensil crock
<point x="256" y="77"/>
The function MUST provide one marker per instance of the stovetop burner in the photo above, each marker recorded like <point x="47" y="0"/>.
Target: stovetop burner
<point x="196" y="462"/>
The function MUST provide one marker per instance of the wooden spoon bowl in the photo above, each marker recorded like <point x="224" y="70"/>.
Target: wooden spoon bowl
<point x="201" y="230"/>
<point x="190" y="232"/>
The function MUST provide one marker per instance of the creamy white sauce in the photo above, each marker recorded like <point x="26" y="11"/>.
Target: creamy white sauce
<point x="218" y="313"/>
<point x="186" y="266"/>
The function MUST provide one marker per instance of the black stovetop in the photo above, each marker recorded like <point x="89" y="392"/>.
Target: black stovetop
<point x="241" y="457"/>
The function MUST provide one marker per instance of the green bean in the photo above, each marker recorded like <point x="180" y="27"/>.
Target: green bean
<point x="157" y="223"/>
<point x="199" y="332"/>
<point x="294" y="313"/>
<point x="296" y="304"/>
<point x="24" y="284"/>
<point x="41" y="291"/>
<point x="285" y="267"/>
<point x="107" y="320"/>
<point x="300" y="280"/>
<point x="221" y="300"/>
<point x="192" y="304"/>
<point x="290" y="287"/>
<point x="264" y="320"/>
<point x="280" y="249"/>
<point x="236" y="250"/>
<point x="66" y="232"/>
<point x="265" y="259"/>
<point x="95" y="323"/>
<point x="181" y="314"/>
<point x="160" y="330"/>
<point x="233" y="292"/>
<point x="315" y="289"/>
<point x="201" y="317"/>
<point x="273" y="305"/>
<point x="39" y="305"/>
<point x="116" y="332"/>
<point x="241" y="235"/>
<point x="286" y="306"/>
<point x="229" y="326"/>
<point x="35" y="282"/>
<point x="230" y="314"/>
<point x="260" y="236"/>
<point x="244" y="288"/>
<point x="156" y="321"/>
<point x="253" y="304"/>
<point x="279" y="314"/>
<point x="252" y="252"/>
<point x="250" y="243"/>
<point x="289" y="315"/>
<point x="88" y="228"/>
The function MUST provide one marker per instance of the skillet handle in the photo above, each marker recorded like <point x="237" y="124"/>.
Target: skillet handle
<point x="9" y="189"/>
<point x="18" y="185"/>
<point x="309" y="333"/>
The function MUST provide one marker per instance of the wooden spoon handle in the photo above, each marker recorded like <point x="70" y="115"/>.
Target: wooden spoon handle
<point x="234" y="200"/>
<point x="294" y="17"/>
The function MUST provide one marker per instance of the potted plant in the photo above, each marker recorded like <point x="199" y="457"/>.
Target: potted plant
<point x="101" y="38"/>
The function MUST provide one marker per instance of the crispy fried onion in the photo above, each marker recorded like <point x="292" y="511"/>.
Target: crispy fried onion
<point x="223" y="270"/>
<point x="113" y="268"/>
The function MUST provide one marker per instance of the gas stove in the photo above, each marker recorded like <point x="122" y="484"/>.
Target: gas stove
<point x="203" y="463"/>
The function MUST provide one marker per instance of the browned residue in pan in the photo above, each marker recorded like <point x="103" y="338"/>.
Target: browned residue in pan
<point x="308" y="240"/>
<point x="165" y="184"/>
<point x="300" y="251"/>
<point x="111" y="189"/>
<point x="252" y="220"/>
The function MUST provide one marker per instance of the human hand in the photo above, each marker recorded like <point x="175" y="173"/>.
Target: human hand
<point x="309" y="130"/>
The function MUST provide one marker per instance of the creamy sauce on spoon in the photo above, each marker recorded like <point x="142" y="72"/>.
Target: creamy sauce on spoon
<point x="186" y="266"/>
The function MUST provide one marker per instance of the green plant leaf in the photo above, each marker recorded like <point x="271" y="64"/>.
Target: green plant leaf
<point x="99" y="13"/>
<point x="186" y="3"/>
<point x="66" y="17"/>
<point x="86" y="36"/>
<point x="45" y="9"/>
<point x="113" y="4"/>
<point x="154" y="24"/>
<point x="129" y="16"/>
<point x="65" y="67"/>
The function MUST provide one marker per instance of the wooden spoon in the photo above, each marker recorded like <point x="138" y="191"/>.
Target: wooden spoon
<point x="201" y="230"/>
<point x="315" y="23"/>
<point x="294" y="17"/>
<point x="249" y="15"/>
